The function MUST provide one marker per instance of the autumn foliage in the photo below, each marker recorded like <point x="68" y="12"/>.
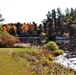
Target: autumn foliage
<point x="24" y="28"/>
<point x="6" y="41"/>
<point x="20" y="29"/>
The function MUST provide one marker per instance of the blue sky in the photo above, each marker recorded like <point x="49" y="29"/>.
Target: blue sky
<point x="31" y="10"/>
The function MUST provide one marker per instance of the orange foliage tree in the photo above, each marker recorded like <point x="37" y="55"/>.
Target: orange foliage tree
<point x="24" y="28"/>
<point x="7" y="27"/>
<point x="10" y="28"/>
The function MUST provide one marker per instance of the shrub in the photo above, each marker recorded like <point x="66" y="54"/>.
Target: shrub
<point x="51" y="45"/>
<point x="17" y="41"/>
<point x="50" y="58"/>
<point x="43" y="34"/>
<point x="6" y="41"/>
<point x="58" y="52"/>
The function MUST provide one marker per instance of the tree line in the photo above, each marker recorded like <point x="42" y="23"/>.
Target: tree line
<point x="56" y="24"/>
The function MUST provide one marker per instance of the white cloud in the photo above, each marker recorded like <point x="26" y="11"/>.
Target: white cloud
<point x="31" y="10"/>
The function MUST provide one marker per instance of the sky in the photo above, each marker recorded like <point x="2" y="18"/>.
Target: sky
<point x="31" y="10"/>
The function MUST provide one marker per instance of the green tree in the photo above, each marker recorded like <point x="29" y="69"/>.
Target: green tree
<point x="54" y="17"/>
<point x="72" y="12"/>
<point x="1" y="19"/>
<point x="75" y="15"/>
<point x="59" y="17"/>
<point x="1" y="27"/>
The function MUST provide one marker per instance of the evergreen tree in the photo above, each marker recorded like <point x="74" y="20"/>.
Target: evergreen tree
<point x="1" y="18"/>
<point x="54" y="17"/>
<point x="59" y="17"/>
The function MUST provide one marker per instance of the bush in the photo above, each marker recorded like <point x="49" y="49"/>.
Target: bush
<point x="58" y="52"/>
<point x="17" y="41"/>
<point x="6" y="41"/>
<point x="51" y="45"/>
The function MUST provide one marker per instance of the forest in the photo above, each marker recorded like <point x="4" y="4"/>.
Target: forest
<point x="55" y="24"/>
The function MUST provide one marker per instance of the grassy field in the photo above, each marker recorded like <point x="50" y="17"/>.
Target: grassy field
<point x="27" y="61"/>
<point x="10" y="66"/>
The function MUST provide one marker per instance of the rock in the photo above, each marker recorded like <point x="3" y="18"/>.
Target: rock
<point x="68" y="63"/>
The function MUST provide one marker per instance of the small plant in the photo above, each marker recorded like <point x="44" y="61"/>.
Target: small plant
<point x="50" y="58"/>
<point x="51" y="45"/>
<point x="12" y="53"/>
<point x="58" y="52"/>
<point x="43" y="34"/>
<point x="21" y="54"/>
<point x="17" y="41"/>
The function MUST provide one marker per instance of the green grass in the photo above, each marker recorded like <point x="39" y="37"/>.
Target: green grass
<point x="9" y="66"/>
<point x="27" y="61"/>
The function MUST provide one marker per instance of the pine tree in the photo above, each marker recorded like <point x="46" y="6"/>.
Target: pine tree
<point x="1" y="19"/>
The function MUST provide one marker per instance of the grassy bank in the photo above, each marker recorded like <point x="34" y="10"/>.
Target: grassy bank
<point x="27" y="61"/>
